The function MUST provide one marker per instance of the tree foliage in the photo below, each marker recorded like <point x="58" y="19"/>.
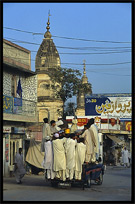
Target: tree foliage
<point x="69" y="109"/>
<point x="70" y="83"/>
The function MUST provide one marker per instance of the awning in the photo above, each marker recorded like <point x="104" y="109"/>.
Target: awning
<point x="115" y="139"/>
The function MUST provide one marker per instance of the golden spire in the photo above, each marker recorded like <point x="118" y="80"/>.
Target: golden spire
<point x="84" y="68"/>
<point x="48" y="23"/>
<point x="84" y="78"/>
<point x="48" y="34"/>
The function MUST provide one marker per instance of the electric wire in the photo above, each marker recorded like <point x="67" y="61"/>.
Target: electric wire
<point x="69" y="38"/>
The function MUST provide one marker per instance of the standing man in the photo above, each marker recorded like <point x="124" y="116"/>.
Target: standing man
<point x="46" y="132"/>
<point x="59" y="164"/>
<point x="125" y="157"/>
<point x="19" y="170"/>
<point x="48" y="159"/>
<point x="88" y="141"/>
<point x="93" y="127"/>
<point x="70" y="145"/>
<point x="53" y="127"/>
<point x="80" y="153"/>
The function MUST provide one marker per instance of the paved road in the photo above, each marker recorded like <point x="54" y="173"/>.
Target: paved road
<point x="116" y="187"/>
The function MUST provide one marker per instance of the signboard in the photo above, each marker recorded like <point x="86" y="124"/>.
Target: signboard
<point x="17" y="105"/>
<point x="7" y="148"/>
<point x="19" y="130"/>
<point x="12" y="136"/>
<point x="6" y="129"/>
<point x="7" y="104"/>
<point x="104" y="106"/>
<point x="82" y="121"/>
<point x="17" y="109"/>
<point x="17" y="101"/>
<point x="128" y="126"/>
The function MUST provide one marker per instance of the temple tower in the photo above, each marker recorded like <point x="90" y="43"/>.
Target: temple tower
<point x="47" y="59"/>
<point x="80" y="111"/>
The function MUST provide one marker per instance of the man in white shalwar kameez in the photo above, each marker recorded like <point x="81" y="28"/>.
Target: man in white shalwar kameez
<point x="80" y="152"/>
<point x="70" y="156"/>
<point x="59" y="164"/>
<point x="46" y="132"/>
<point x="19" y="170"/>
<point x="93" y="127"/>
<point x="48" y="159"/>
<point x="125" y="157"/>
<point x="87" y="135"/>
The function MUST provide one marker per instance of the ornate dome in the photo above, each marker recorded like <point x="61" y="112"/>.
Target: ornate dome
<point x="47" y="56"/>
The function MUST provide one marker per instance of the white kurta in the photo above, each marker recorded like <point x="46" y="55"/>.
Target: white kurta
<point x="125" y="156"/>
<point x="70" y="157"/>
<point x="79" y="159"/>
<point x="59" y="154"/>
<point x="46" y="132"/>
<point x="48" y="160"/>
<point x="20" y="171"/>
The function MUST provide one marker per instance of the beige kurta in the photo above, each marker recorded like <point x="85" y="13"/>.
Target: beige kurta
<point x="87" y="135"/>
<point x="95" y="131"/>
<point x="79" y="159"/>
<point x="53" y="130"/>
<point x="59" y="154"/>
<point x="74" y="125"/>
<point x="46" y="132"/>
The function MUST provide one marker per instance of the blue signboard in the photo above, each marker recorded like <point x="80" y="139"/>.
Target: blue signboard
<point x="17" y="101"/>
<point x="90" y="104"/>
<point x="7" y="104"/>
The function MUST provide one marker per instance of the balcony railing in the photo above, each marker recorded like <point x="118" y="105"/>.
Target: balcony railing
<point x="19" y="106"/>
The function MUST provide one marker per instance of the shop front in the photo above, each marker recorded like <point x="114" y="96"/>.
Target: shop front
<point x="13" y="139"/>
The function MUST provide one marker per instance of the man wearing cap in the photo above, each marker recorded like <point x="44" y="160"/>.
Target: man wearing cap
<point x="48" y="159"/>
<point x="59" y="164"/>
<point x="46" y="132"/>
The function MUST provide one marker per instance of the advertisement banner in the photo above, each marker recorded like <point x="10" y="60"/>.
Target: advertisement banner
<point x="7" y="148"/>
<point x="104" y="106"/>
<point x="82" y="121"/>
<point x="7" y="104"/>
<point x="17" y="101"/>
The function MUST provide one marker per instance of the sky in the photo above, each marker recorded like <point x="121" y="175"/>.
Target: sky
<point x="104" y="30"/>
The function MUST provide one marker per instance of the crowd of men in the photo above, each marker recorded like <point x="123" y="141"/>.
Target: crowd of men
<point x="66" y="153"/>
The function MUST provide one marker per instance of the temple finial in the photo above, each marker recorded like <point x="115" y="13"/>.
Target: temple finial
<point x="48" y="23"/>
<point x="84" y="68"/>
<point x="48" y="34"/>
